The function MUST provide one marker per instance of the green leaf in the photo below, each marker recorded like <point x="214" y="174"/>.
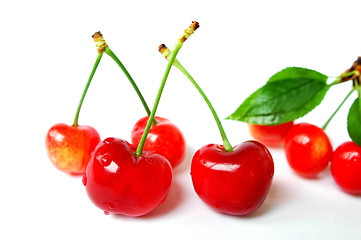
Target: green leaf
<point x="287" y="96"/>
<point x="296" y="73"/>
<point x="354" y="122"/>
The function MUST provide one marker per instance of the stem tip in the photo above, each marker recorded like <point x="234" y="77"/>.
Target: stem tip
<point x="99" y="42"/>
<point x="189" y="31"/>
<point x="353" y="73"/>
<point x="164" y="50"/>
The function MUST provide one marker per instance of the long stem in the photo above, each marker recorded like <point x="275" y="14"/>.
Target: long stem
<point x="338" y="108"/>
<point x="120" y="64"/>
<point x="99" y="57"/>
<point x="228" y="147"/>
<point x="139" y="150"/>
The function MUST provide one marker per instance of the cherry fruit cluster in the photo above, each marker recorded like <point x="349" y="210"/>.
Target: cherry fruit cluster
<point x="134" y="178"/>
<point x="292" y="93"/>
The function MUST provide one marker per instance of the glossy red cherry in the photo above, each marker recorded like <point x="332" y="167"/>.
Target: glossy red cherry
<point x="164" y="138"/>
<point x="346" y="167"/>
<point x="234" y="182"/>
<point x="119" y="182"/>
<point x="270" y="135"/>
<point x="71" y="147"/>
<point x="308" y="149"/>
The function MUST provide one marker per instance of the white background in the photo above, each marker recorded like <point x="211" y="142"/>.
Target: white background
<point x="46" y="57"/>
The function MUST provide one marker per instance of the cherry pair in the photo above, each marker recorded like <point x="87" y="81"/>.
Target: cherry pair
<point x="289" y="95"/>
<point x="73" y="149"/>
<point x="309" y="151"/>
<point x="124" y="179"/>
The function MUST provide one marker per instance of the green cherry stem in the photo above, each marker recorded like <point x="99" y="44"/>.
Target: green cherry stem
<point x="139" y="150"/>
<point x="343" y="78"/>
<point x="166" y="52"/>
<point x="187" y="33"/>
<point x="97" y="61"/>
<point x="338" y="108"/>
<point x="102" y="46"/>
<point x="120" y="64"/>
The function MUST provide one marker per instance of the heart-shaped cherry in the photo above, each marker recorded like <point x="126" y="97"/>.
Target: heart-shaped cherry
<point x="234" y="182"/>
<point x="231" y="180"/>
<point x="119" y="182"/>
<point x="70" y="147"/>
<point x="164" y="138"/>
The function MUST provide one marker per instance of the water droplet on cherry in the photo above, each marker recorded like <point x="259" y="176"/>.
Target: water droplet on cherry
<point x="106" y="159"/>
<point x="84" y="180"/>
<point x="203" y="161"/>
<point x="106" y="212"/>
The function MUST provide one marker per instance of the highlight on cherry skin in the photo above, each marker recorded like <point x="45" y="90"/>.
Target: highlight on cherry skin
<point x="71" y="147"/>
<point x="308" y="149"/>
<point x="164" y="138"/>
<point x="236" y="182"/>
<point x="346" y="167"/>
<point x="270" y="135"/>
<point x="118" y="182"/>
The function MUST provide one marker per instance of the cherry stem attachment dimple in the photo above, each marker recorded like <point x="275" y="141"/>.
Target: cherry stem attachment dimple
<point x="337" y="109"/>
<point x="187" y="33"/>
<point x="166" y="52"/>
<point x="97" y="61"/>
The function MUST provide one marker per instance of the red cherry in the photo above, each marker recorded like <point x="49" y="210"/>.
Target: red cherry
<point x="71" y="147"/>
<point x="346" y="167"/>
<point x="308" y="149"/>
<point x="270" y="135"/>
<point x="119" y="182"/>
<point x="234" y="182"/>
<point x="164" y="138"/>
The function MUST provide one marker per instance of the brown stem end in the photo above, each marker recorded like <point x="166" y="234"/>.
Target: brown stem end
<point x="189" y="31"/>
<point x="164" y="50"/>
<point x="99" y="42"/>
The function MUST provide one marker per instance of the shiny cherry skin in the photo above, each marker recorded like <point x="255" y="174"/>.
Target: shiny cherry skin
<point x="308" y="149"/>
<point x="236" y="182"/>
<point x="164" y="138"/>
<point x="71" y="147"/>
<point x="270" y="135"/>
<point x="346" y="167"/>
<point x="118" y="182"/>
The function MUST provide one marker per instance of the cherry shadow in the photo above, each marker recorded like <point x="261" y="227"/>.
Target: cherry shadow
<point x="275" y="198"/>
